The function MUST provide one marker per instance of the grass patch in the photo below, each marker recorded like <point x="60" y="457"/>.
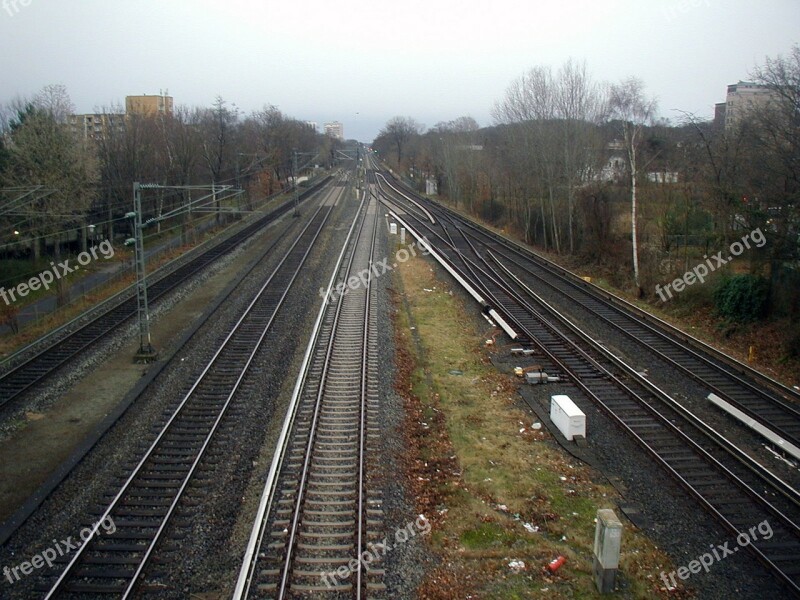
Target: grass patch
<point x="495" y="490"/>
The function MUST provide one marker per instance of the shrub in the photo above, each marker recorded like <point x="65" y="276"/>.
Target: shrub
<point x="742" y="298"/>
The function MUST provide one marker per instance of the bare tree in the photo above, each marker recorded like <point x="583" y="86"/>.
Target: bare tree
<point x="722" y="159"/>
<point x="580" y="107"/>
<point x="530" y="105"/>
<point x="776" y="134"/>
<point x="400" y="130"/>
<point x="183" y="146"/>
<point x="267" y="125"/>
<point x="775" y="174"/>
<point x="455" y="144"/>
<point x="218" y="128"/>
<point x="55" y="101"/>
<point x="126" y="154"/>
<point x="634" y="110"/>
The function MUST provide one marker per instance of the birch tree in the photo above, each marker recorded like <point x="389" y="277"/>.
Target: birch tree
<point x="631" y="107"/>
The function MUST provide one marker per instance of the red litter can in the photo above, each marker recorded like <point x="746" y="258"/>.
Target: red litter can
<point x="555" y="565"/>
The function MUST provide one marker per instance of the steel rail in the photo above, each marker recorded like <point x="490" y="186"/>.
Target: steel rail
<point x="76" y="557"/>
<point x="250" y="558"/>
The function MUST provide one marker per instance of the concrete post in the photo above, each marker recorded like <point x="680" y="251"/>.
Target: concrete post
<point x="607" y="544"/>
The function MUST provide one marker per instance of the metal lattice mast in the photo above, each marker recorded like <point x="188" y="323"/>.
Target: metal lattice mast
<point x="145" y="344"/>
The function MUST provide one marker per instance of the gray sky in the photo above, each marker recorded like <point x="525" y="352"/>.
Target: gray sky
<point x="363" y="62"/>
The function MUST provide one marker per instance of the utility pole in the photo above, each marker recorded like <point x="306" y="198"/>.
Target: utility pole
<point x="296" y="187"/>
<point x="146" y="351"/>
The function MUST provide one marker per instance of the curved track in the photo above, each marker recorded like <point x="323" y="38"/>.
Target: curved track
<point x="739" y="495"/>
<point x="763" y="404"/>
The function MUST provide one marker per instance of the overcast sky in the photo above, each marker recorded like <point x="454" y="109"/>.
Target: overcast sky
<point x="363" y="62"/>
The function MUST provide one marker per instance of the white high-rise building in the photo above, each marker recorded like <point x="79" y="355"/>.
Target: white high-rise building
<point x="742" y="98"/>
<point x="335" y="129"/>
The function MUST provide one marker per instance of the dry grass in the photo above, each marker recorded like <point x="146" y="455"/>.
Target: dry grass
<point x="480" y="472"/>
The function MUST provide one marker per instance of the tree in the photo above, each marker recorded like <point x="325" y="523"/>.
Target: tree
<point x="55" y="101"/>
<point x="634" y="110"/>
<point x="182" y="142"/>
<point x="529" y="109"/>
<point x="44" y="153"/>
<point x="454" y="143"/>
<point x="776" y="133"/>
<point x="400" y="130"/>
<point x="218" y="127"/>
<point x="580" y="106"/>
<point x="126" y="154"/>
<point x="775" y="130"/>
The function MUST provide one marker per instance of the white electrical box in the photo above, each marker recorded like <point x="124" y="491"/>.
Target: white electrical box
<point x="566" y="415"/>
<point x="393" y="228"/>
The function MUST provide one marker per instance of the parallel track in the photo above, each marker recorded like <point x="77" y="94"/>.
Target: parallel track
<point x="761" y="404"/>
<point x="142" y="508"/>
<point x="35" y="369"/>
<point x="318" y="512"/>
<point x="775" y="406"/>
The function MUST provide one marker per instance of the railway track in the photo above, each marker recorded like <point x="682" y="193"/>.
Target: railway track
<point x="142" y="508"/>
<point x="318" y="513"/>
<point x="769" y="403"/>
<point x="624" y="312"/>
<point x="768" y="408"/>
<point x="35" y="369"/>
<point x="734" y="494"/>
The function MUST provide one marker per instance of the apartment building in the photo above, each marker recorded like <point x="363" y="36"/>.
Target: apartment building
<point x="149" y="106"/>
<point x="335" y="130"/>
<point x="96" y="126"/>
<point x="742" y="98"/>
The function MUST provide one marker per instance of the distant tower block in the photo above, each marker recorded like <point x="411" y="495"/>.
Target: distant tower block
<point x="149" y="106"/>
<point x="335" y="130"/>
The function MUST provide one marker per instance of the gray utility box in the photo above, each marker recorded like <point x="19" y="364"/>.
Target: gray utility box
<point x="607" y="545"/>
